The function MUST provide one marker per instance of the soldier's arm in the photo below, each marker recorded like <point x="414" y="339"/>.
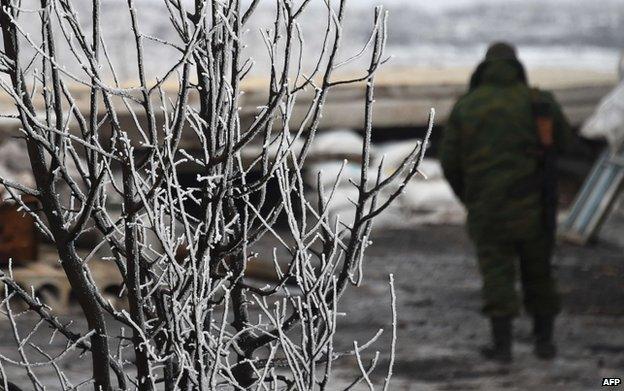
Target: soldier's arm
<point x="450" y="154"/>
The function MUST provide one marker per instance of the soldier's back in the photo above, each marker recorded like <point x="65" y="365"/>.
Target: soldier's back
<point x="499" y="157"/>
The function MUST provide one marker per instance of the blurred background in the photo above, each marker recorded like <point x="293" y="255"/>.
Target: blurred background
<point x="448" y="34"/>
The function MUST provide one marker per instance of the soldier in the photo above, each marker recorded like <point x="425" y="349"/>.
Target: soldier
<point x="498" y="155"/>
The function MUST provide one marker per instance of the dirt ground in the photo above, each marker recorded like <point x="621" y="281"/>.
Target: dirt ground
<point x="440" y="327"/>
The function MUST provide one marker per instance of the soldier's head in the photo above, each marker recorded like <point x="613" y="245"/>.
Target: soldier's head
<point x="501" y="51"/>
<point x="498" y="52"/>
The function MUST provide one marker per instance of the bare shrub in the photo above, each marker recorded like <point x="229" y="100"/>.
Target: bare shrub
<point x="183" y="251"/>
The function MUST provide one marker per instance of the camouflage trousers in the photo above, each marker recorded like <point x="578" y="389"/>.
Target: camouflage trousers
<point x="499" y="264"/>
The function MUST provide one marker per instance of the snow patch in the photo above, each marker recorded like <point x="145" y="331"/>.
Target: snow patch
<point x="424" y="201"/>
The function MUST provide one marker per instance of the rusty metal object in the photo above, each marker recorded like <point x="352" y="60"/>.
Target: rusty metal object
<point x="18" y="233"/>
<point x="36" y="268"/>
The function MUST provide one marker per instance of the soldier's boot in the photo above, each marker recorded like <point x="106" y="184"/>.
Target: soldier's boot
<point x="543" y="326"/>
<point x="500" y="348"/>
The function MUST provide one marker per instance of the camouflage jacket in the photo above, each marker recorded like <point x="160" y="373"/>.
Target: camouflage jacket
<point x="490" y="152"/>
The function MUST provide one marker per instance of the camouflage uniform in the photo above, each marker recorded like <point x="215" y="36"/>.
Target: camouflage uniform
<point x="491" y="156"/>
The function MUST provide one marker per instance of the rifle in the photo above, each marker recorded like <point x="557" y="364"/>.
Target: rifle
<point x="542" y="111"/>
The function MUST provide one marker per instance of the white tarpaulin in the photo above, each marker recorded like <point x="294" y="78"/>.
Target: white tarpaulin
<point x="607" y="121"/>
